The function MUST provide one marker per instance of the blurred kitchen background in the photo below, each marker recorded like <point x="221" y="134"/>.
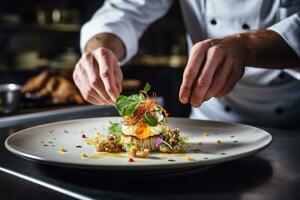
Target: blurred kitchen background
<point x="40" y="47"/>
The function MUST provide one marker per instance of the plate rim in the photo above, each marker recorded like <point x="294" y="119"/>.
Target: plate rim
<point x="197" y="163"/>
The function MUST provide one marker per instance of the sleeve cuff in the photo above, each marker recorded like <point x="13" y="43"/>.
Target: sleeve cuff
<point x="289" y="30"/>
<point x="121" y="29"/>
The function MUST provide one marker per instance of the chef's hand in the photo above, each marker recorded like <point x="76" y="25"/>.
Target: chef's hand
<point x="213" y="68"/>
<point x="97" y="74"/>
<point x="216" y="65"/>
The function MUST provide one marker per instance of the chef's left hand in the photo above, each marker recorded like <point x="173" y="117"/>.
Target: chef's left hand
<point x="213" y="69"/>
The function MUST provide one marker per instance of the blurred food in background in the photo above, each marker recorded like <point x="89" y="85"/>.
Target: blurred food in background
<point x="51" y="88"/>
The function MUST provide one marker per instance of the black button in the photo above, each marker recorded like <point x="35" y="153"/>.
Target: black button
<point x="245" y="26"/>
<point x="281" y="75"/>
<point x="279" y="111"/>
<point x="227" y="108"/>
<point x="213" y="21"/>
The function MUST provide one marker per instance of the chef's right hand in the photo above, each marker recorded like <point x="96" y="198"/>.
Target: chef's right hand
<point x="98" y="76"/>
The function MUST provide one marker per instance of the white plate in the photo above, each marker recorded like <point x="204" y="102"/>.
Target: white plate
<point x="42" y="143"/>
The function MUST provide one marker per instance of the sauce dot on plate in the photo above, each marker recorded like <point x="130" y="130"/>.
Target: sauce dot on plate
<point x="97" y="134"/>
<point x="62" y="150"/>
<point x="205" y="134"/>
<point x="83" y="155"/>
<point x="86" y="142"/>
<point x="189" y="158"/>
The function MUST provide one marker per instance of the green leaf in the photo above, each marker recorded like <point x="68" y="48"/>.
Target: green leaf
<point x="126" y="105"/>
<point x="147" y="87"/>
<point x="150" y="120"/>
<point x="115" y="130"/>
<point x="128" y="145"/>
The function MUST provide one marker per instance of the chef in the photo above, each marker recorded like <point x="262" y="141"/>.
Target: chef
<point x="244" y="56"/>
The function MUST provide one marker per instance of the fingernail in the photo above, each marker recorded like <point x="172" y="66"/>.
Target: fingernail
<point x="113" y="98"/>
<point x="183" y="100"/>
<point x="196" y="105"/>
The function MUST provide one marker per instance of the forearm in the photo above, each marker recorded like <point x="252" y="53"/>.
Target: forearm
<point x="266" y="48"/>
<point x="109" y="41"/>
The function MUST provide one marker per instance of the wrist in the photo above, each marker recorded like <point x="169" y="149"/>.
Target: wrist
<point x="242" y="46"/>
<point x="246" y="40"/>
<point x="252" y="42"/>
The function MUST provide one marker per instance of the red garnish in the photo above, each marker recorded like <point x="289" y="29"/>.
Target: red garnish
<point x="147" y="106"/>
<point x="83" y="136"/>
<point x="130" y="160"/>
<point x="111" y="138"/>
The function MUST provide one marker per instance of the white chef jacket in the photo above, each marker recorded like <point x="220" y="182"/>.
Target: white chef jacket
<point x="264" y="97"/>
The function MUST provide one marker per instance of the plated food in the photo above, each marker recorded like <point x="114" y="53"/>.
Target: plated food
<point x="70" y="144"/>
<point x="143" y="140"/>
<point x="144" y="128"/>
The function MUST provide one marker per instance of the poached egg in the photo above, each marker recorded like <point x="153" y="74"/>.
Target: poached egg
<point x="142" y="130"/>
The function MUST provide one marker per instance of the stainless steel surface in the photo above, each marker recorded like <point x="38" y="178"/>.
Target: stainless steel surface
<point x="9" y="97"/>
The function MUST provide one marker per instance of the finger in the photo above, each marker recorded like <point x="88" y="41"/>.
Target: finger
<point x="91" y="99"/>
<point x="215" y="56"/>
<point x="192" y="69"/>
<point x="84" y="94"/>
<point x="106" y="72"/>
<point x="119" y="77"/>
<point x="82" y="83"/>
<point x="92" y="70"/>
<point x="220" y="78"/>
<point x="235" y="76"/>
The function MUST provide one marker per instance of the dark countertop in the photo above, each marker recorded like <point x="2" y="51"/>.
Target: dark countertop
<point x="271" y="174"/>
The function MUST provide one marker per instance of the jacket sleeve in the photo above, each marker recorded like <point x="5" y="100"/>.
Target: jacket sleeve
<point x="127" y="19"/>
<point x="289" y="30"/>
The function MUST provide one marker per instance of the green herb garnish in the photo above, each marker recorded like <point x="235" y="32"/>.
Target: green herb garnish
<point x="140" y="108"/>
<point x="150" y="120"/>
<point x="128" y="146"/>
<point x="115" y="130"/>
<point x="147" y="87"/>
<point x="126" y="105"/>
